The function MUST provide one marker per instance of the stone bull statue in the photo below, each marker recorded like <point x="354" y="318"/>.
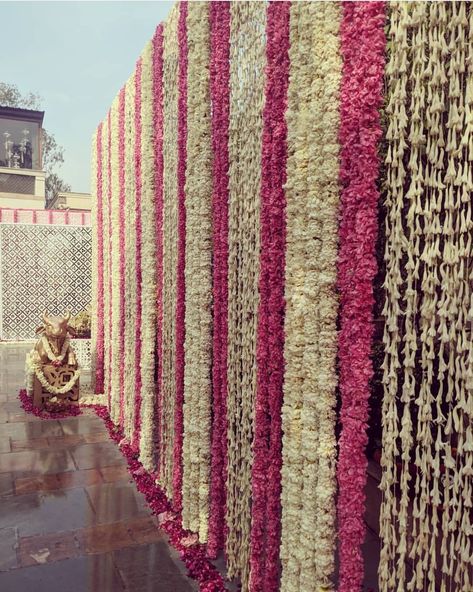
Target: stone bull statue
<point x="52" y="373"/>
<point x="53" y="346"/>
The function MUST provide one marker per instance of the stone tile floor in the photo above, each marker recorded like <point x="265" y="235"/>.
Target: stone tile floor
<point x="70" y="517"/>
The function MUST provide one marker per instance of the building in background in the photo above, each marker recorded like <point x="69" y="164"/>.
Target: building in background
<point x="75" y="202"/>
<point x="22" y="178"/>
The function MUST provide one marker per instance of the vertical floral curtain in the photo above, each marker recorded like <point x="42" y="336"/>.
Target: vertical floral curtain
<point x="238" y="179"/>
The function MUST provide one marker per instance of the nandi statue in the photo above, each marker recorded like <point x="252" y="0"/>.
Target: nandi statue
<point x="52" y="370"/>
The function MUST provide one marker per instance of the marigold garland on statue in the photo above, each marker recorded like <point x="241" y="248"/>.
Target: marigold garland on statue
<point x="54" y="390"/>
<point x="55" y="359"/>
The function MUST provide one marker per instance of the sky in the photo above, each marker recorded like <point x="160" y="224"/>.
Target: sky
<point x="77" y="56"/>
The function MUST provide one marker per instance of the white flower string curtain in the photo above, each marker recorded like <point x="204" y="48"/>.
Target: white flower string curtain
<point x="427" y="439"/>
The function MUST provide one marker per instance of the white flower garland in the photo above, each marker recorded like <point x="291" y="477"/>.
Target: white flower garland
<point x="197" y="368"/>
<point x="106" y="256"/>
<point x="52" y="389"/>
<point x="130" y="259"/>
<point x="95" y="230"/>
<point x="114" y="267"/>
<point x="148" y="254"/>
<point x="308" y="416"/>
<point x="427" y="339"/>
<point x="247" y="62"/>
<point x="170" y="109"/>
<point x="29" y="372"/>
<point x="47" y="348"/>
<point x="33" y="368"/>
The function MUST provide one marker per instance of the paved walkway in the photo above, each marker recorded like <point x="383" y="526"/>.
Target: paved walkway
<point x="70" y="517"/>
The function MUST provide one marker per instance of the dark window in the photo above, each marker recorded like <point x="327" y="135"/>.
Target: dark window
<point x="19" y="144"/>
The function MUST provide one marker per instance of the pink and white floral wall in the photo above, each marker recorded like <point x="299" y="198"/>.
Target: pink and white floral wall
<point x="238" y="176"/>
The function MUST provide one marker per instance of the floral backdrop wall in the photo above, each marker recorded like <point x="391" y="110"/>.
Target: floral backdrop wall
<point x="247" y="177"/>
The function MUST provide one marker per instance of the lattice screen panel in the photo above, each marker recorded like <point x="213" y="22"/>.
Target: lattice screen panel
<point x="81" y="348"/>
<point x="42" y="268"/>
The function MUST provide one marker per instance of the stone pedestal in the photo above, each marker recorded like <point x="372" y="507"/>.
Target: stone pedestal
<point x="56" y="377"/>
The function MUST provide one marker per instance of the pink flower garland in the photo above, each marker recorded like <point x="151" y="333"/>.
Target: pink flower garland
<point x="220" y="97"/>
<point x="159" y="168"/>
<point x="181" y="257"/>
<point x="110" y="312"/>
<point x="99" y="364"/>
<point x="191" y="553"/>
<point x="363" y="46"/>
<point x="266" y="469"/>
<point x="121" y="177"/>
<point x="138" y="186"/>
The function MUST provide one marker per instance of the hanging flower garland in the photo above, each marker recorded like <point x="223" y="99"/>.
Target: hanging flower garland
<point x="148" y="332"/>
<point x="106" y="256"/>
<point x="197" y="370"/>
<point x="312" y="193"/>
<point x="363" y="45"/>
<point x="180" y="329"/>
<point x="108" y="362"/>
<point x="130" y="259"/>
<point x="427" y="370"/>
<point x="121" y="251"/>
<point x="94" y="255"/>
<point x="247" y="63"/>
<point x="159" y="209"/>
<point x="170" y="239"/>
<point x="138" y="254"/>
<point x="114" y="283"/>
<point x="296" y="306"/>
<point x="266" y="470"/>
<point x="98" y="335"/>
<point x="220" y="98"/>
